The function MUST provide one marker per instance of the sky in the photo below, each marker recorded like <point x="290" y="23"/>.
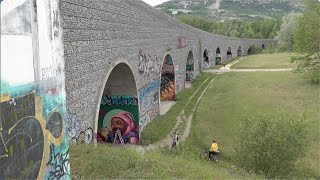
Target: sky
<point x="154" y="2"/>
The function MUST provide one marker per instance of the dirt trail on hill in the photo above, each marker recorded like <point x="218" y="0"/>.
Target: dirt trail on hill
<point x="182" y="122"/>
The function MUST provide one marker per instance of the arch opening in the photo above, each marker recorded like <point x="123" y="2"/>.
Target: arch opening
<point x="239" y="51"/>
<point x="218" y="56"/>
<point x="168" y="86"/>
<point x="190" y="67"/>
<point x="119" y="107"/>
<point x="254" y="50"/>
<point x="229" y="53"/>
<point x="206" y="63"/>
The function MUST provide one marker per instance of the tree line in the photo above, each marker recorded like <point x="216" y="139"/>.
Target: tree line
<point x="299" y="32"/>
<point x="258" y="29"/>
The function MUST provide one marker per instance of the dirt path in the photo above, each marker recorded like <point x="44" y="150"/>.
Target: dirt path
<point x="181" y="121"/>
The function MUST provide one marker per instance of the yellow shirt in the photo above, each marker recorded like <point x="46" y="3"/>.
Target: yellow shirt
<point x="214" y="147"/>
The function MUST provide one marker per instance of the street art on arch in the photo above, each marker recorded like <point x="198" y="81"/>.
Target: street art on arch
<point x="167" y="88"/>
<point x="119" y="112"/>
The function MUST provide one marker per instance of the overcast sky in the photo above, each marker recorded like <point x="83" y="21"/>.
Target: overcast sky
<point x="154" y="2"/>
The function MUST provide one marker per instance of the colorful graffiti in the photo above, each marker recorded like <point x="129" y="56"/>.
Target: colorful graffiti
<point x="118" y="113"/>
<point x="32" y="101"/>
<point x="58" y="166"/>
<point x="23" y="136"/>
<point x="149" y="95"/>
<point x="167" y="88"/>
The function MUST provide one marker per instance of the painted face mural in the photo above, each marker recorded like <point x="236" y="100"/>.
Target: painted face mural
<point x="118" y="113"/>
<point x="121" y="121"/>
<point x="167" y="88"/>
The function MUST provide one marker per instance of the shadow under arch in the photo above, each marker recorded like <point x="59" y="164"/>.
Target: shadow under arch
<point x="239" y="52"/>
<point x="206" y="63"/>
<point x="118" y="106"/>
<point x="190" y="67"/>
<point x="218" y="56"/>
<point x="167" y="77"/>
<point x="229" y="53"/>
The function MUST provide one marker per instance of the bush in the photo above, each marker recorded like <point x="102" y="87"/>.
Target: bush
<point x="270" y="144"/>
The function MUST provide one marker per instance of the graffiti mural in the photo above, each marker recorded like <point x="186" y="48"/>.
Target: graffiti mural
<point x="167" y="88"/>
<point x="18" y="142"/>
<point x="148" y="64"/>
<point x="118" y="113"/>
<point x="58" y="166"/>
<point x="32" y="97"/>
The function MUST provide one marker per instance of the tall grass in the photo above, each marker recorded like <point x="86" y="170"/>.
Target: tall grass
<point x="162" y="125"/>
<point x="266" y="61"/>
<point x="219" y="114"/>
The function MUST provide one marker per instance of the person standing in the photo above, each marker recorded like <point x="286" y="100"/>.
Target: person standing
<point x="175" y="140"/>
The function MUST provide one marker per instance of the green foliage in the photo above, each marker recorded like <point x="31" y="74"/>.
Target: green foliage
<point x="286" y="32"/>
<point x="254" y="50"/>
<point x="307" y="41"/>
<point x="270" y="144"/>
<point x="260" y="29"/>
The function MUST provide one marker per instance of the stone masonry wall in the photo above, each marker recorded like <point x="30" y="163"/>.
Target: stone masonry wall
<point x="99" y="34"/>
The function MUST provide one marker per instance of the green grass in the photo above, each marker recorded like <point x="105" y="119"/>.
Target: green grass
<point x="265" y="61"/>
<point x="219" y="114"/>
<point x="162" y="125"/>
<point x="107" y="162"/>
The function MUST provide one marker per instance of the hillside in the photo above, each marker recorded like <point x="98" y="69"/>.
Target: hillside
<point x="233" y="9"/>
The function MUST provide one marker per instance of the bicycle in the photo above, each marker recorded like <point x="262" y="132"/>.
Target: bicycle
<point x="205" y="155"/>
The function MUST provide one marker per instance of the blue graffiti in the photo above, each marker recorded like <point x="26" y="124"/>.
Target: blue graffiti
<point x="146" y="91"/>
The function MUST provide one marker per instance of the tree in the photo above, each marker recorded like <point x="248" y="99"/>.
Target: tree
<point x="307" y="41"/>
<point x="286" y="33"/>
<point x="270" y="144"/>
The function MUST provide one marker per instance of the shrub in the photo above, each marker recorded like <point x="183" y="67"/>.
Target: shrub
<point x="270" y="144"/>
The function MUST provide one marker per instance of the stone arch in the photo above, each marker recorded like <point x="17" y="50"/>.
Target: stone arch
<point x="229" y="53"/>
<point x="190" y="67"/>
<point x="118" y="106"/>
<point x="206" y="63"/>
<point x="218" y="56"/>
<point x="239" y="51"/>
<point x="252" y="49"/>
<point x="168" y="83"/>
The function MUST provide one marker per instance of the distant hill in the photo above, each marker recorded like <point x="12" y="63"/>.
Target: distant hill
<point x="233" y="9"/>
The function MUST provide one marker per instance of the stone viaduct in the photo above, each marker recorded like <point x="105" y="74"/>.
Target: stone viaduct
<point x="71" y="67"/>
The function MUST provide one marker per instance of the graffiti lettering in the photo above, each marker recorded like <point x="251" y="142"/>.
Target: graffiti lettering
<point x="50" y="71"/>
<point x="58" y="165"/>
<point x="119" y="100"/>
<point x="148" y="95"/>
<point x="18" y="142"/>
<point x="148" y="64"/>
<point x="74" y="125"/>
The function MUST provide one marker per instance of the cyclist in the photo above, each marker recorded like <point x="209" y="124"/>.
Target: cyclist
<point x="213" y="149"/>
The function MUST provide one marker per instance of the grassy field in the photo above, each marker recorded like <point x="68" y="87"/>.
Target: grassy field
<point x="218" y="116"/>
<point x="265" y="61"/>
<point x="107" y="162"/>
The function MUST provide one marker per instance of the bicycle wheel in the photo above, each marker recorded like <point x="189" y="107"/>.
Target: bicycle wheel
<point x="203" y="155"/>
